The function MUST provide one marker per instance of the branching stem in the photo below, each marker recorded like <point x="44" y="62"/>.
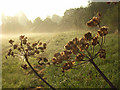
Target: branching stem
<point x="26" y="58"/>
<point x="101" y="73"/>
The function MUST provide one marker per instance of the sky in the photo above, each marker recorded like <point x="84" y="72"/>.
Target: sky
<point x="38" y="8"/>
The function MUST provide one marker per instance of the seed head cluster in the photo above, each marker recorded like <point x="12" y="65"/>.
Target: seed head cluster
<point x="25" y="47"/>
<point x="78" y="48"/>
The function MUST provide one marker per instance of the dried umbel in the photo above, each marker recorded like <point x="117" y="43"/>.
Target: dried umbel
<point x="102" y="54"/>
<point x="25" y="48"/>
<point x="68" y="65"/>
<point x="15" y="46"/>
<point x="79" y="57"/>
<point x="88" y="36"/>
<point x="103" y="31"/>
<point x="81" y="49"/>
<point x="21" y="37"/>
<point x="11" y="41"/>
<point x="95" y="21"/>
<point x="95" y="41"/>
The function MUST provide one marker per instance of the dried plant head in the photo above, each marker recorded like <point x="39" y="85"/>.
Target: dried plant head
<point x="95" y="41"/>
<point x="11" y="41"/>
<point x="21" y="37"/>
<point x="102" y="54"/>
<point x="15" y="46"/>
<point x="79" y="57"/>
<point x="56" y="54"/>
<point x="88" y="36"/>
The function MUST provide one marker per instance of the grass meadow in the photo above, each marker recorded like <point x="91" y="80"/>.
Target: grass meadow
<point x="84" y="76"/>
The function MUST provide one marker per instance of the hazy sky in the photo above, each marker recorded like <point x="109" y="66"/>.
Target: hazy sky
<point x="41" y="8"/>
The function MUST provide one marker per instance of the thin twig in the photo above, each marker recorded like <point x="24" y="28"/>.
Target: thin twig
<point x="26" y="58"/>
<point x="101" y="73"/>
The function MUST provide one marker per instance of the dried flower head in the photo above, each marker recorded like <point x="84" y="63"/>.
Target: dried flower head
<point x="79" y="57"/>
<point x="15" y="46"/>
<point x="11" y="41"/>
<point x="24" y="41"/>
<point x="56" y="54"/>
<point x="45" y="59"/>
<point x="21" y="37"/>
<point x="95" y="41"/>
<point x="102" y="53"/>
<point x="68" y="47"/>
<point x="94" y="21"/>
<point x="103" y="31"/>
<point x="88" y="36"/>
<point x="68" y="65"/>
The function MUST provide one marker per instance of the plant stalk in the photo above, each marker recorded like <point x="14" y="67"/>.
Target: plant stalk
<point x="26" y="58"/>
<point x="101" y="73"/>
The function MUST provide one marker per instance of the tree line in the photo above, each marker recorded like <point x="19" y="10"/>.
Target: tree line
<point x="73" y="19"/>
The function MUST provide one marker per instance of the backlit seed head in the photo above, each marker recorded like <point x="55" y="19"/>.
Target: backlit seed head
<point x="26" y="50"/>
<point x="102" y="53"/>
<point x="67" y="65"/>
<point x="44" y="44"/>
<point x="82" y="41"/>
<point x="11" y="41"/>
<point x="19" y="49"/>
<point x="15" y="46"/>
<point x="37" y="52"/>
<point x="12" y="54"/>
<point x="67" y="52"/>
<point x="44" y="47"/>
<point x="24" y="41"/>
<point x="88" y="36"/>
<point x="54" y="59"/>
<point x="30" y="48"/>
<point x="40" y="43"/>
<point x="93" y="22"/>
<point x="56" y="54"/>
<point x="21" y="37"/>
<point x="95" y="41"/>
<point x="86" y="45"/>
<point x="9" y="53"/>
<point x="10" y="50"/>
<point x="68" y="47"/>
<point x="34" y="44"/>
<point x="48" y="63"/>
<point x="79" y="57"/>
<point x="31" y="53"/>
<point x="41" y="48"/>
<point x="104" y="30"/>
<point x="81" y="48"/>
<point x="45" y="59"/>
<point x="75" y="50"/>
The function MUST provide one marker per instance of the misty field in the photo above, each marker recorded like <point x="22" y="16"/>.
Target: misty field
<point x="85" y="76"/>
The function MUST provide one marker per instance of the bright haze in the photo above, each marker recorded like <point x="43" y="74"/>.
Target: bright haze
<point x="38" y="8"/>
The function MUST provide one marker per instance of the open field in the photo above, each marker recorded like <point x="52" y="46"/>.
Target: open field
<point x="85" y="76"/>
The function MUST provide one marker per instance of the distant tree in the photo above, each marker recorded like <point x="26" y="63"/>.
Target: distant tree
<point x="48" y="25"/>
<point x="111" y="18"/>
<point x="14" y="24"/>
<point x="55" y="18"/>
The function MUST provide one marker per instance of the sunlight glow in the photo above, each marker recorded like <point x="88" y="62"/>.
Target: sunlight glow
<point x="38" y="8"/>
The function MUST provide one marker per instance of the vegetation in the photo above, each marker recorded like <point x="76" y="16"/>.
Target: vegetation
<point x="73" y="19"/>
<point x="76" y="61"/>
<point x="16" y="77"/>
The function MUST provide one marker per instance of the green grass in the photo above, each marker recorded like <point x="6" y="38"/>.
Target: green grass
<point x="85" y="76"/>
